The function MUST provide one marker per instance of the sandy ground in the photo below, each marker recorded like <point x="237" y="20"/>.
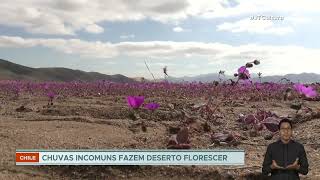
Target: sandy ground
<point x="104" y="123"/>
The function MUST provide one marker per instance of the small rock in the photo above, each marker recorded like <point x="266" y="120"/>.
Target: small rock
<point x="171" y="106"/>
<point x="237" y="104"/>
<point x="307" y="117"/>
<point x="227" y="175"/>
<point x="199" y="105"/>
<point x="223" y="143"/>
<point x="253" y="133"/>
<point x="134" y="129"/>
<point x="296" y="106"/>
<point x="144" y="128"/>
<point x="132" y="145"/>
<point x="183" y="136"/>
<point x="296" y="118"/>
<point x="268" y="137"/>
<point x="122" y="176"/>
<point x="196" y="125"/>
<point x="132" y="116"/>
<point x="206" y="127"/>
<point x="174" y="130"/>
<point x="99" y="103"/>
<point x="308" y="136"/>
<point x="245" y="128"/>
<point x="23" y="109"/>
<point x="315" y="115"/>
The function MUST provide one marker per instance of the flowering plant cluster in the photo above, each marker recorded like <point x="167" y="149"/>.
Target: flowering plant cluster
<point x="136" y="101"/>
<point x="307" y="91"/>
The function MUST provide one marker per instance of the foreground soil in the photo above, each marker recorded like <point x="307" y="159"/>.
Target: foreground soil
<point x="107" y="123"/>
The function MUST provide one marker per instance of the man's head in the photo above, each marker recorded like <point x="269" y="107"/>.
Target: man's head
<point x="285" y="128"/>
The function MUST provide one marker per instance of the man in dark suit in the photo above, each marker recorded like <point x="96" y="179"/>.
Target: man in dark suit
<point x="285" y="158"/>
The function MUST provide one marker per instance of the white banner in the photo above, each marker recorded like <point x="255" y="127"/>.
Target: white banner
<point x="130" y="157"/>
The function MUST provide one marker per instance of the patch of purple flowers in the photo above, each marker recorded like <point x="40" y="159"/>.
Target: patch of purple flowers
<point x="309" y="92"/>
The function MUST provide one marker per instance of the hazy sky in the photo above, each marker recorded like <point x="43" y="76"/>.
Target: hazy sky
<point x="191" y="37"/>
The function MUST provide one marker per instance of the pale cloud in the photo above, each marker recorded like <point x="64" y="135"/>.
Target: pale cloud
<point x="66" y="17"/>
<point x="170" y="49"/>
<point x="276" y="59"/>
<point x="255" y="26"/>
<point x="161" y="64"/>
<point x="215" y="9"/>
<point x="69" y="46"/>
<point x="129" y="36"/>
<point x="180" y="29"/>
<point x="93" y="28"/>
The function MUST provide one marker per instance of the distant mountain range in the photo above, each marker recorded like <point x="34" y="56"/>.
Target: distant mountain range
<point x="302" y="78"/>
<point x="12" y="71"/>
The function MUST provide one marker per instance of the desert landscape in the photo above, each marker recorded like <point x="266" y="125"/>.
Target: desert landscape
<point x="106" y="115"/>
<point x="185" y="75"/>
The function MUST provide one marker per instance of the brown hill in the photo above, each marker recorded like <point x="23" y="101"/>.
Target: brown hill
<point x="12" y="71"/>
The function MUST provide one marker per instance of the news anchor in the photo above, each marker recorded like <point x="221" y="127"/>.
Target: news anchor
<point x="285" y="159"/>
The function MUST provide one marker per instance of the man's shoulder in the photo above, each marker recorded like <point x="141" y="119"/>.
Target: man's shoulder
<point x="273" y="144"/>
<point x="297" y="143"/>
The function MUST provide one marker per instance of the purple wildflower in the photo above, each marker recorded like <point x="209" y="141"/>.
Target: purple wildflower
<point x="46" y="87"/>
<point x="51" y="95"/>
<point x="152" y="106"/>
<point x="246" y="82"/>
<point x="309" y="92"/>
<point x="135" y="101"/>
<point x="298" y="87"/>
<point x="243" y="73"/>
